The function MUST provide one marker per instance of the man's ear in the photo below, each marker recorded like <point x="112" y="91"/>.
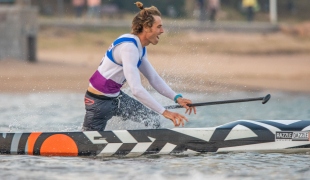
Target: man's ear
<point x="147" y="29"/>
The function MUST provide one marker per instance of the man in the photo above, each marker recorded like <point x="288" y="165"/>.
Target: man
<point x="124" y="60"/>
<point x="249" y="6"/>
<point x="78" y="7"/>
<point x="213" y="8"/>
<point x="93" y="8"/>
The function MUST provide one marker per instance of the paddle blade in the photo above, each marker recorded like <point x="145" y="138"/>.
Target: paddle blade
<point x="266" y="99"/>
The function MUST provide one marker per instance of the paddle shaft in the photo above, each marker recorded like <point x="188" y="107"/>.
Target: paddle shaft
<point x="265" y="99"/>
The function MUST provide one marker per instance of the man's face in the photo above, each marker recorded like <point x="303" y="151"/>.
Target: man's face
<point x="152" y="34"/>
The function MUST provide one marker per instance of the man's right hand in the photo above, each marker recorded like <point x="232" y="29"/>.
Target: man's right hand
<point x="176" y="118"/>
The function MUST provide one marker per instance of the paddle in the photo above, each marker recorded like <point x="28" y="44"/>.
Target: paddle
<point x="263" y="99"/>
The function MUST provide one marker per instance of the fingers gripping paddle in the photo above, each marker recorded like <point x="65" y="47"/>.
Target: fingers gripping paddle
<point x="263" y="99"/>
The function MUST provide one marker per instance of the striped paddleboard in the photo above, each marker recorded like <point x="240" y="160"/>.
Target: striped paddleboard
<point x="241" y="135"/>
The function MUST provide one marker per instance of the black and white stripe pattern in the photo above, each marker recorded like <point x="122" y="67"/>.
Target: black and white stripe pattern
<point x="241" y="135"/>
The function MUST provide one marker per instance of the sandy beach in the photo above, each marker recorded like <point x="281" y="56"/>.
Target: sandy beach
<point x="188" y="61"/>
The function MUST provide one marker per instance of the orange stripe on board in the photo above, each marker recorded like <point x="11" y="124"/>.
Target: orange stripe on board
<point x="59" y="145"/>
<point x="32" y="140"/>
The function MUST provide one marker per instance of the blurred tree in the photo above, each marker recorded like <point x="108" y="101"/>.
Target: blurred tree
<point x="287" y="9"/>
<point x="163" y="6"/>
<point x="7" y="1"/>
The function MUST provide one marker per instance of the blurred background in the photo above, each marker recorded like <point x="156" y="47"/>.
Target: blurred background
<point x="247" y="45"/>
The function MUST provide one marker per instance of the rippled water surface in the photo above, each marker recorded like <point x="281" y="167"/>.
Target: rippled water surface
<point x="64" y="112"/>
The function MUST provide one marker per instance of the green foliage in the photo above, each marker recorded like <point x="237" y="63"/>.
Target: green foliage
<point x="7" y="1"/>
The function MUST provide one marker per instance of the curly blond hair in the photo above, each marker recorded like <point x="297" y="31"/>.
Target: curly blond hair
<point x="144" y="18"/>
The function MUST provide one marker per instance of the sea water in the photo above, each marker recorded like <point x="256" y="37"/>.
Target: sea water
<point x="65" y="112"/>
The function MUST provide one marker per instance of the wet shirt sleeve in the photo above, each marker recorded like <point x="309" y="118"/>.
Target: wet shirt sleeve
<point x="155" y="80"/>
<point x="129" y="56"/>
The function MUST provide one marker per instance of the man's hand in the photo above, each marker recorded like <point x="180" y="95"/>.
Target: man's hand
<point x="176" y="118"/>
<point x="183" y="102"/>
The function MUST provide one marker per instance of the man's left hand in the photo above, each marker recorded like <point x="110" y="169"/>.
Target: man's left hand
<point x="183" y="102"/>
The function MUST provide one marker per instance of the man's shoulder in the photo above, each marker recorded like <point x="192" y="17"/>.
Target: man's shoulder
<point x="128" y="36"/>
<point x="130" y="39"/>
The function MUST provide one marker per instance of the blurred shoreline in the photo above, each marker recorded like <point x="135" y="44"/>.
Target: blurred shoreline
<point x="190" y="60"/>
<point x="170" y="24"/>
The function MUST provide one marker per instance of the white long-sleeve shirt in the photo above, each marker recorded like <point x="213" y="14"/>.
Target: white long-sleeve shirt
<point x="124" y="60"/>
